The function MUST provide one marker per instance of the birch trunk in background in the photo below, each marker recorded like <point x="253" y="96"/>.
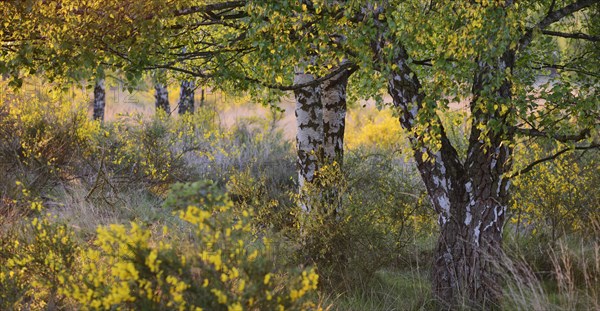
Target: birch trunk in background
<point x="99" y="100"/>
<point x="186" y="97"/>
<point x="202" y="97"/>
<point x="309" y="136"/>
<point x="161" y="96"/>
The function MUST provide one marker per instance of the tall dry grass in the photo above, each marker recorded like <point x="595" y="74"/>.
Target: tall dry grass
<point x="572" y="282"/>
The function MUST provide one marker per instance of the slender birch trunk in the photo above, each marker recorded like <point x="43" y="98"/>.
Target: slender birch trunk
<point x="186" y="97"/>
<point x="99" y="99"/>
<point x="320" y="119"/>
<point x="309" y="136"/>
<point x="161" y="96"/>
<point x="333" y="99"/>
<point x="202" y="99"/>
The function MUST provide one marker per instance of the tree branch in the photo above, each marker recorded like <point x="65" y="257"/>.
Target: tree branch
<point x="553" y="17"/>
<point x="192" y="73"/>
<point x="210" y="7"/>
<point x="562" y="138"/>
<point x="577" y="35"/>
<point x="346" y="66"/>
<point x="530" y="167"/>
<point x="565" y="68"/>
<point x="424" y="62"/>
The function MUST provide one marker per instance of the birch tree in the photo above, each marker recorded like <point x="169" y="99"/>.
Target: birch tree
<point x="333" y="94"/>
<point x="186" y="97"/>
<point x="161" y="97"/>
<point x="487" y="61"/>
<point x="309" y="130"/>
<point x="320" y="124"/>
<point x="99" y="99"/>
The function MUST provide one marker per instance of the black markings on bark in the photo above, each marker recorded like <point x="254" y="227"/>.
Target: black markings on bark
<point x="186" y="97"/>
<point x="334" y="117"/>
<point x="470" y="198"/>
<point x="161" y="96"/>
<point x="99" y="100"/>
<point x="320" y="115"/>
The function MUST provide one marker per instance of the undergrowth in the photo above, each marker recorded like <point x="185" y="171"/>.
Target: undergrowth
<point x="182" y="213"/>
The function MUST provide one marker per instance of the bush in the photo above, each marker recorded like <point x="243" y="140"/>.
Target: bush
<point x="152" y="153"/>
<point x="570" y="283"/>
<point x="370" y="228"/>
<point x="221" y="266"/>
<point x="265" y="195"/>
<point x="557" y="197"/>
<point x="36" y="264"/>
<point x="554" y="231"/>
<point x="44" y="139"/>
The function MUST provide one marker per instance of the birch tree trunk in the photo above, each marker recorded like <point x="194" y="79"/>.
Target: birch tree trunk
<point x="333" y="99"/>
<point x="186" y="97"/>
<point x="99" y="99"/>
<point x="474" y="242"/>
<point x="161" y="96"/>
<point x="320" y="120"/>
<point x="309" y="135"/>
<point x="470" y="198"/>
<point x="202" y="99"/>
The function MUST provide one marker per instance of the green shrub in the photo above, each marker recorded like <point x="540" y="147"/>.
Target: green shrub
<point x="133" y="150"/>
<point x="221" y="266"/>
<point x="35" y="264"/>
<point x="270" y="200"/>
<point x="553" y="231"/>
<point x="45" y="137"/>
<point x="557" y="197"/>
<point x="369" y="229"/>
<point x="204" y="192"/>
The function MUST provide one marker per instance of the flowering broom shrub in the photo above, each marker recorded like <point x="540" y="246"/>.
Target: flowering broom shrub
<point x="35" y="263"/>
<point x="44" y="138"/>
<point x="219" y="265"/>
<point x="557" y="197"/>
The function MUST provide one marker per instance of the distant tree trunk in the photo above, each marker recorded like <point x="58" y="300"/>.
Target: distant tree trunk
<point x="99" y="100"/>
<point x="186" y="97"/>
<point x="161" y="96"/>
<point x="309" y="136"/>
<point x="202" y="97"/>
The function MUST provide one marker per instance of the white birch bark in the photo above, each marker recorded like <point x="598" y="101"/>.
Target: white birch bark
<point x="333" y="99"/>
<point x="161" y="96"/>
<point x="99" y="100"/>
<point x="309" y="136"/>
<point x="186" y="97"/>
